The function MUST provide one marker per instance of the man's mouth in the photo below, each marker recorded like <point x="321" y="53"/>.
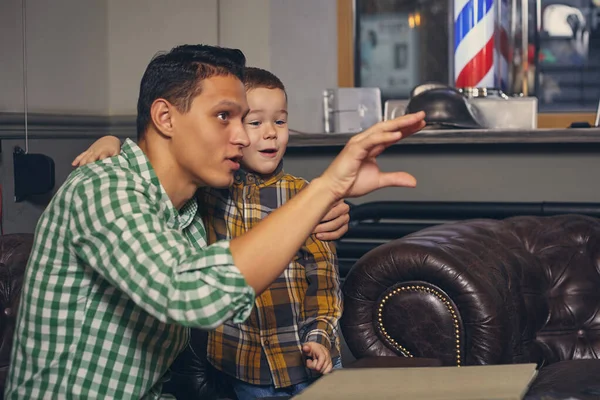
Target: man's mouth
<point x="235" y="162"/>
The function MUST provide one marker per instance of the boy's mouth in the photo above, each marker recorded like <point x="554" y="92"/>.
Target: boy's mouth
<point x="270" y="153"/>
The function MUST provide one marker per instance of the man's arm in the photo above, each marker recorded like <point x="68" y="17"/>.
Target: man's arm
<point x="117" y="232"/>
<point x="333" y="226"/>
<point x="323" y="301"/>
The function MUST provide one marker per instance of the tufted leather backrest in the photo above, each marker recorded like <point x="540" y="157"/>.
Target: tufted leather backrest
<point x="524" y="289"/>
<point x="563" y="317"/>
<point x="14" y="253"/>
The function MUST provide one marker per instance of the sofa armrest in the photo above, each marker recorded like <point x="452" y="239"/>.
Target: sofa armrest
<point x="444" y="292"/>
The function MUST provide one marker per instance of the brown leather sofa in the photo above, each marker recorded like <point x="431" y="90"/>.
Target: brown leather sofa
<point x="14" y="253"/>
<point x="526" y="289"/>
<point x="519" y="290"/>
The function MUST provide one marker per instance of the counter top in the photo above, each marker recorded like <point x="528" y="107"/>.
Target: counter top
<point x="463" y="137"/>
<point x="50" y="126"/>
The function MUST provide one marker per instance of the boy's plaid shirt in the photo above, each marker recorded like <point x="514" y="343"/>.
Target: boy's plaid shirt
<point x="115" y="277"/>
<point x="304" y="303"/>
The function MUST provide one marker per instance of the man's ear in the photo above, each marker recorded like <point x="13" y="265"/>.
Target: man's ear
<point x="161" y="113"/>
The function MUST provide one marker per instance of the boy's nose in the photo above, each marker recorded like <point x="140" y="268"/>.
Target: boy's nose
<point x="270" y="133"/>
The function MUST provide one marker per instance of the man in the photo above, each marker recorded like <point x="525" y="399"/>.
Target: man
<point x="120" y="268"/>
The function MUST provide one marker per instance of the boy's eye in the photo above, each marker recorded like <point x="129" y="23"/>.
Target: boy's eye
<point x="223" y="116"/>
<point x="280" y="122"/>
<point x="254" y="123"/>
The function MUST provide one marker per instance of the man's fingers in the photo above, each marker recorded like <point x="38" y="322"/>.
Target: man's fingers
<point x="399" y="179"/>
<point x="382" y="140"/>
<point x="333" y="225"/>
<point x="339" y="209"/>
<point x="375" y="151"/>
<point x="409" y="121"/>
<point x="333" y="235"/>
<point x="402" y="122"/>
<point x="409" y="130"/>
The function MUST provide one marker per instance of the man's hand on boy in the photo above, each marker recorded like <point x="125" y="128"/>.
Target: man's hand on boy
<point x="318" y="357"/>
<point x="334" y="224"/>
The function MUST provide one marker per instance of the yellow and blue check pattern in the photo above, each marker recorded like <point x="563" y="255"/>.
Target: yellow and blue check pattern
<point x="303" y="304"/>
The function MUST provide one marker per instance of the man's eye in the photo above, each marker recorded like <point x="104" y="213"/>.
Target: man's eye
<point x="223" y="116"/>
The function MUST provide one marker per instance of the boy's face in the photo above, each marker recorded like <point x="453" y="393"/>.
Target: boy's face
<point x="266" y="125"/>
<point x="209" y="137"/>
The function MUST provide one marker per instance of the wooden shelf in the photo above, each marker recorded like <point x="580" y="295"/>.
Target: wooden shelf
<point x="564" y="120"/>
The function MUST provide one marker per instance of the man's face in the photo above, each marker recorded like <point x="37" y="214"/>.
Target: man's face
<point x="208" y="139"/>
<point x="266" y="125"/>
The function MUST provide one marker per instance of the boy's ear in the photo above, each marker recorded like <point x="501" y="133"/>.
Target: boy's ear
<point x="161" y="113"/>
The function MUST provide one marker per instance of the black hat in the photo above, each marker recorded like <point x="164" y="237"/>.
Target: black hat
<point x="446" y="107"/>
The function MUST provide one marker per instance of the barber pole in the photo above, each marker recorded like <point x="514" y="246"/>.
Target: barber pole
<point x="474" y="25"/>
<point x="503" y="58"/>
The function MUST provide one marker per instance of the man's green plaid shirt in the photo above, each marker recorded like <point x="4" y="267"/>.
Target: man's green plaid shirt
<point x="115" y="278"/>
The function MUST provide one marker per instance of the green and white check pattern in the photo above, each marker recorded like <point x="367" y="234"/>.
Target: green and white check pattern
<point x="115" y="278"/>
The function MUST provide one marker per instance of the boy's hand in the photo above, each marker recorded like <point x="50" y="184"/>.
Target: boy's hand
<point x="107" y="146"/>
<point x="319" y="357"/>
<point x="355" y="172"/>
<point x="335" y="223"/>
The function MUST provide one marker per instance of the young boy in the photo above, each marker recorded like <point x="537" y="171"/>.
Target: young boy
<point x="292" y="334"/>
<point x="292" y="331"/>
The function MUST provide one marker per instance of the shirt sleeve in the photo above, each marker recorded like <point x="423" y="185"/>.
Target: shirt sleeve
<point x="323" y="301"/>
<point x="118" y="232"/>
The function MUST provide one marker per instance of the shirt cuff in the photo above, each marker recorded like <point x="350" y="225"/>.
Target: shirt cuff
<point x="318" y="336"/>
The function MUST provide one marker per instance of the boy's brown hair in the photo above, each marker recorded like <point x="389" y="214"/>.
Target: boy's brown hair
<point x="255" y="78"/>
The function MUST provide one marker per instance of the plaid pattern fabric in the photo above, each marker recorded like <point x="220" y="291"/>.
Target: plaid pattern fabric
<point x="115" y="275"/>
<point x="303" y="304"/>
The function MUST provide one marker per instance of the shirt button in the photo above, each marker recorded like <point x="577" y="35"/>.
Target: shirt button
<point x="266" y="343"/>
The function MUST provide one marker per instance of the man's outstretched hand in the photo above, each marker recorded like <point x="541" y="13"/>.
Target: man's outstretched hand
<point x="355" y="172"/>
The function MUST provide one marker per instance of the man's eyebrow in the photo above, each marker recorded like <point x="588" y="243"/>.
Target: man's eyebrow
<point x="235" y="105"/>
<point x="229" y="103"/>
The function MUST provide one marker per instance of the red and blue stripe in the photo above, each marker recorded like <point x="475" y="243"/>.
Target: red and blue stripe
<point x="481" y="61"/>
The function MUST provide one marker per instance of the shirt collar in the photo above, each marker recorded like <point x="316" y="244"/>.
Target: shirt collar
<point x="139" y="163"/>
<point x="244" y="177"/>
